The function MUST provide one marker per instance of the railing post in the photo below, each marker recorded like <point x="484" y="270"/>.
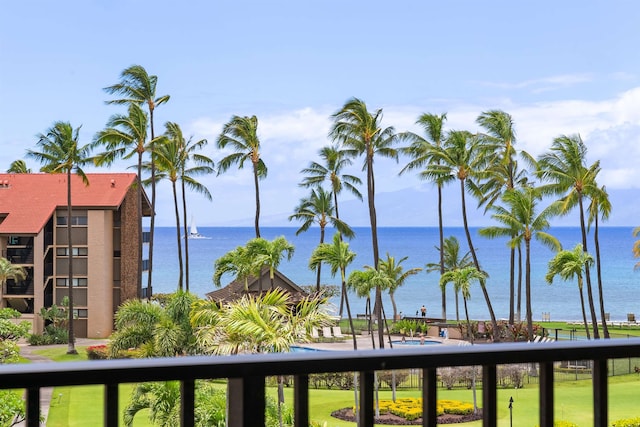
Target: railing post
<point x="111" y="405"/>
<point x="246" y="402"/>
<point x="188" y="403"/>
<point x="489" y="396"/>
<point x="429" y="397"/>
<point x="600" y="393"/>
<point x="33" y="407"/>
<point x="301" y="400"/>
<point x="366" y="398"/>
<point x="546" y="394"/>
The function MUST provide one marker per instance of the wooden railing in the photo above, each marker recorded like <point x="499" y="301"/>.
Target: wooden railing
<point x="247" y="374"/>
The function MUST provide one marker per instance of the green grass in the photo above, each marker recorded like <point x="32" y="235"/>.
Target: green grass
<point x="59" y="354"/>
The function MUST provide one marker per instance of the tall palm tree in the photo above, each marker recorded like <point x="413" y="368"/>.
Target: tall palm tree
<point x="397" y="273"/>
<point x="271" y="253"/>
<point x="191" y="164"/>
<point x="569" y="264"/>
<point x="124" y="137"/>
<point x="564" y="168"/>
<point x="462" y="156"/>
<point x="241" y="133"/>
<point x="363" y="282"/>
<point x="319" y="208"/>
<point x="338" y="256"/>
<point x="9" y="271"/>
<point x="136" y="86"/>
<point x="61" y="153"/>
<point x="168" y="159"/>
<point x="521" y="224"/>
<point x="18" y="166"/>
<point x="420" y="151"/>
<point x="452" y="261"/>
<point x="361" y="133"/>
<point x="335" y="160"/>
<point x="600" y="207"/>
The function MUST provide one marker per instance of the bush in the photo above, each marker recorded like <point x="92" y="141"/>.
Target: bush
<point x="411" y="408"/>
<point x="387" y="376"/>
<point x="98" y="352"/>
<point x="628" y="422"/>
<point x="51" y="335"/>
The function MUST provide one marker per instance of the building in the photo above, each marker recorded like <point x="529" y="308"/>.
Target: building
<point x="105" y="238"/>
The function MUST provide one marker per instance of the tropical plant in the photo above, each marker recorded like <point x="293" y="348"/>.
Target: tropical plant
<point x="136" y="86"/>
<point x="361" y="133"/>
<point x="396" y="272"/>
<point x="18" y="166"/>
<point x="521" y="224"/>
<point x="9" y="271"/>
<point x="191" y="164"/>
<point x="338" y="256"/>
<point x="569" y="264"/>
<point x="564" y="168"/>
<point x="420" y="151"/>
<point x="452" y="261"/>
<point x="241" y="134"/>
<point x="463" y="157"/>
<point x="319" y="208"/>
<point x="270" y="253"/>
<point x="12" y="408"/>
<point x="61" y="153"/>
<point x="124" y="137"/>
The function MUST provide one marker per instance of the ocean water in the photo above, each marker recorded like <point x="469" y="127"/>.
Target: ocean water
<point x="561" y="299"/>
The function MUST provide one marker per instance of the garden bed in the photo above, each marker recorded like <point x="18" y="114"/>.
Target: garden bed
<point x="346" y="414"/>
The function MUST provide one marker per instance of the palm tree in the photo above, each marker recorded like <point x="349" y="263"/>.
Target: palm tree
<point x="361" y="133"/>
<point x="319" y="208"/>
<point x="521" y="223"/>
<point x="636" y="247"/>
<point x="338" y="256"/>
<point x="241" y="133"/>
<point x="9" y="271"/>
<point x="61" y="153"/>
<point x="399" y="276"/>
<point x="362" y="282"/>
<point x="462" y="156"/>
<point x="239" y="262"/>
<point x="18" y="166"/>
<point x="335" y="161"/>
<point x="124" y="137"/>
<point x="420" y="152"/>
<point x="136" y="86"/>
<point x="168" y="155"/>
<point x="271" y="253"/>
<point x="452" y="261"/>
<point x="565" y="171"/>
<point x="600" y="207"/>
<point x="187" y="173"/>
<point x="569" y="264"/>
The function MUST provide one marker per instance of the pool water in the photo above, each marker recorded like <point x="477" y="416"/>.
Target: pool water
<point x="415" y="342"/>
<point x="299" y="349"/>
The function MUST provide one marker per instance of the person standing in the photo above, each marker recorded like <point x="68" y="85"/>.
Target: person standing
<point x="423" y="310"/>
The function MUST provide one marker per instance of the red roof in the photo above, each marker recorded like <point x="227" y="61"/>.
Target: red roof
<point x="28" y="200"/>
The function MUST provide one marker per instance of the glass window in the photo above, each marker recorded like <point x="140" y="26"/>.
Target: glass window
<point x="80" y="313"/>
<point x="78" y="282"/>
<point x="75" y="251"/>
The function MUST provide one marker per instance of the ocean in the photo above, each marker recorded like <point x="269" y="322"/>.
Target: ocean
<point x="561" y="299"/>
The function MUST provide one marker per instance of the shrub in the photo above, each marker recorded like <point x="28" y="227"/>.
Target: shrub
<point x="52" y="335"/>
<point x="387" y="376"/>
<point x="98" y="352"/>
<point x="411" y="408"/>
<point x="628" y="422"/>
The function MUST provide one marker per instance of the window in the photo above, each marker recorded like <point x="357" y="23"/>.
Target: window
<point x="75" y="251"/>
<point x="78" y="282"/>
<point x="80" y="313"/>
<point x="75" y="220"/>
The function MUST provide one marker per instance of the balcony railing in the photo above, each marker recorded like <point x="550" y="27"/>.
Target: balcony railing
<point x="247" y="377"/>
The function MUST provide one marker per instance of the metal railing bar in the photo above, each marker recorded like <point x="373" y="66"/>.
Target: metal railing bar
<point x="111" y="405"/>
<point x="429" y="397"/>
<point x="301" y="400"/>
<point x="366" y="411"/>
<point x="546" y="394"/>
<point x="33" y="407"/>
<point x="187" y="403"/>
<point x="489" y="396"/>
<point x="600" y="393"/>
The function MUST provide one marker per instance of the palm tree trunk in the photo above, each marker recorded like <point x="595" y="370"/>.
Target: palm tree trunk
<point x="457" y="307"/>
<point x="512" y="284"/>
<point x="441" y="235"/>
<point x="140" y="232"/>
<point x="71" y="349"/>
<point x="605" y="329"/>
<point x="186" y="236"/>
<point x="319" y="267"/>
<point x="257" y="188"/>
<point x="496" y="331"/>
<point x="346" y="303"/>
<point x="519" y="304"/>
<point x="175" y="204"/>
<point x="587" y="273"/>
<point x="152" y="225"/>
<point x="528" y="287"/>
<point x="584" y="313"/>
<point x="371" y="190"/>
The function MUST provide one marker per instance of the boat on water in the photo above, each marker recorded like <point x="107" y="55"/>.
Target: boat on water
<point x="193" y="232"/>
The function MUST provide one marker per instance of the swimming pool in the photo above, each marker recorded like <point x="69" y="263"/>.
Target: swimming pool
<point x="300" y="349"/>
<point x="414" y="342"/>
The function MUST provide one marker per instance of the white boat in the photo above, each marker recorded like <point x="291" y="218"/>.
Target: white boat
<point x="193" y="231"/>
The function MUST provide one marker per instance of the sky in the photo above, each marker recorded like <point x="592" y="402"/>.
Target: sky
<point x="558" y="68"/>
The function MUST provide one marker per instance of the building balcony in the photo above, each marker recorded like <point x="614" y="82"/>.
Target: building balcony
<point x="247" y="377"/>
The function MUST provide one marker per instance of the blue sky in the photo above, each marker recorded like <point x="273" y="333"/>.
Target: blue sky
<point x="556" y="67"/>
